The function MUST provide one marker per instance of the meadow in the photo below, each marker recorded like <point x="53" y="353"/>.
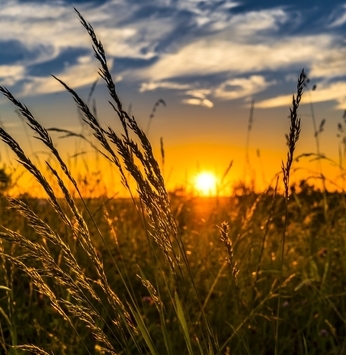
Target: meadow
<point x="167" y="272"/>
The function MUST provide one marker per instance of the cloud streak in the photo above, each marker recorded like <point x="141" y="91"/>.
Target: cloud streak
<point x="338" y="18"/>
<point x="324" y="92"/>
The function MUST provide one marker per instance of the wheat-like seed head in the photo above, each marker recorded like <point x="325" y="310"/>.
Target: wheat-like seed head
<point x="294" y="132"/>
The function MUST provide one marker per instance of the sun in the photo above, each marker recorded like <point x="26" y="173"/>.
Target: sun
<point x="205" y="183"/>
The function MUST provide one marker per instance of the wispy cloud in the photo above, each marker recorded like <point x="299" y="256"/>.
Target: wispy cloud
<point x="241" y="87"/>
<point x="9" y="74"/>
<point x="198" y="101"/>
<point x="329" y="62"/>
<point x="208" y="13"/>
<point x="230" y="89"/>
<point x="154" y="85"/>
<point x="338" y="18"/>
<point x="199" y="97"/>
<point x="80" y="74"/>
<point x="324" y="92"/>
<point x="217" y="55"/>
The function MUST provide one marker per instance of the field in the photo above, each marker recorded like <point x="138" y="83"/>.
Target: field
<point x="168" y="272"/>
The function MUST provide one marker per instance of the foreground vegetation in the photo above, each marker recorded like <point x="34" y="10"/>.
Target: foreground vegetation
<point x="168" y="273"/>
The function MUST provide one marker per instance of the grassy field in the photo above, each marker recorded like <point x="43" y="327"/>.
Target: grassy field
<point x="168" y="273"/>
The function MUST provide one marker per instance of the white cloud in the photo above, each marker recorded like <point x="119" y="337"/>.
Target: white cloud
<point x="137" y="40"/>
<point x="215" y="55"/>
<point x="282" y="100"/>
<point x="199" y="93"/>
<point x="14" y="9"/>
<point x="37" y="25"/>
<point x="324" y="92"/>
<point x="228" y="90"/>
<point x="200" y="102"/>
<point x="9" y="74"/>
<point x="241" y="87"/>
<point x="208" y="14"/>
<point x="74" y="76"/>
<point x="48" y="29"/>
<point x="339" y="17"/>
<point x="152" y="85"/>
<point x="329" y="64"/>
<point x="254" y="22"/>
<point x="199" y="97"/>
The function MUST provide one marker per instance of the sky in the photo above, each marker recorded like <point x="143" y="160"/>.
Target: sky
<point x="207" y="60"/>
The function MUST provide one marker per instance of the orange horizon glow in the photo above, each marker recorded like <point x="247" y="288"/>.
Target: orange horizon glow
<point x="182" y="165"/>
<point x="99" y="178"/>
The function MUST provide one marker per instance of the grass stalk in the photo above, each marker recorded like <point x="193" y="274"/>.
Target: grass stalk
<point x="291" y="140"/>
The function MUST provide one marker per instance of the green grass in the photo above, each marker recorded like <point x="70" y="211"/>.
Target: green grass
<point x="167" y="273"/>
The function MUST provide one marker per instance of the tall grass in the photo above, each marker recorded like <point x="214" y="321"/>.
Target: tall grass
<point x="292" y="139"/>
<point x="122" y="319"/>
<point x="156" y="276"/>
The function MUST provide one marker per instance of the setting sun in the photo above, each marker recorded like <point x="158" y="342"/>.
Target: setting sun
<point x="206" y="183"/>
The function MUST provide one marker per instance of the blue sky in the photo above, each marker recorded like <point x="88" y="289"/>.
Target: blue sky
<point x="205" y="58"/>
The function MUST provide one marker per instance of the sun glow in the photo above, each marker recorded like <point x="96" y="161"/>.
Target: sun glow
<point x="205" y="183"/>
